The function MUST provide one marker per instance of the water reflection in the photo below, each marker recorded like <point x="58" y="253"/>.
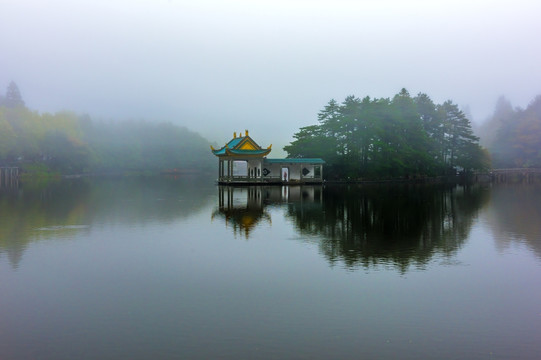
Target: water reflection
<point x="390" y="225"/>
<point x="364" y="226"/>
<point x="243" y="208"/>
<point x="514" y="216"/>
<point x="62" y="209"/>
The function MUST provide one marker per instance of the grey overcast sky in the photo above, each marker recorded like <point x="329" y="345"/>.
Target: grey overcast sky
<point x="267" y="66"/>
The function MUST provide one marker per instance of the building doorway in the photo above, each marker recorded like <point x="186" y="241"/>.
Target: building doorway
<point x="285" y="174"/>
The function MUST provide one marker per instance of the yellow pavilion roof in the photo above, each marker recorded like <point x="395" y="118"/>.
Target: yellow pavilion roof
<point x="241" y="146"/>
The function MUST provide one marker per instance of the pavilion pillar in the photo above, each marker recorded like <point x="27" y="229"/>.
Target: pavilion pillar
<point x="221" y="169"/>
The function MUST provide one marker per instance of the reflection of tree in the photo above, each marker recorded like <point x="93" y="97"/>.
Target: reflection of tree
<point x="62" y="209"/>
<point x="389" y="225"/>
<point x="515" y="214"/>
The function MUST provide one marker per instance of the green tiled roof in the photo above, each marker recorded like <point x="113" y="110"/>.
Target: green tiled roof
<point x="234" y="142"/>
<point x="233" y="147"/>
<point x="296" y="161"/>
<point x="231" y="144"/>
<point x="241" y="152"/>
<point x="219" y="152"/>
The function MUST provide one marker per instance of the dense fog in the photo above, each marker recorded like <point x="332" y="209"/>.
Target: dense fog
<point x="269" y="66"/>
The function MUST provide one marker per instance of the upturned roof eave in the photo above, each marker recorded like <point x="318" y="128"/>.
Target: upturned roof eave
<point x="242" y="153"/>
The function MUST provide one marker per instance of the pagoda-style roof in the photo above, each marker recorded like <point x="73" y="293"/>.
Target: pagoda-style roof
<point x="241" y="146"/>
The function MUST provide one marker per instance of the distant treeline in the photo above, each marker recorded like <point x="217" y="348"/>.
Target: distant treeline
<point x="369" y="138"/>
<point x="70" y="144"/>
<point x="402" y="137"/>
<point x="513" y="135"/>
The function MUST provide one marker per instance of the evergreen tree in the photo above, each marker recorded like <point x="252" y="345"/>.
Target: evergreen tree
<point x="13" y="96"/>
<point x="502" y="116"/>
<point x="330" y="121"/>
<point x="433" y="126"/>
<point x="414" y="145"/>
<point x="349" y="135"/>
<point x="459" y="139"/>
<point x="518" y="140"/>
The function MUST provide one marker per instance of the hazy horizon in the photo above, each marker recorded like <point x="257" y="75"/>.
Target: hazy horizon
<point x="267" y="66"/>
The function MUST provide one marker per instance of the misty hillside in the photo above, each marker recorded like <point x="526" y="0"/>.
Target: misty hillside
<point x="513" y="135"/>
<point x="70" y="144"/>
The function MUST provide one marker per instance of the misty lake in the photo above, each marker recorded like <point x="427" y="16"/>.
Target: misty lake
<point x="164" y="268"/>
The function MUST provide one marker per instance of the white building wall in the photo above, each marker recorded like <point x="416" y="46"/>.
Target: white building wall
<point x="274" y="170"/>
<point x="294" y="170"/>
<point x="255" y="166"/>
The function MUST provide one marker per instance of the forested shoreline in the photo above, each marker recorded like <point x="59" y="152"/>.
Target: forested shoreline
<point x="67" y="143"/>
<point x="402" y="137"/>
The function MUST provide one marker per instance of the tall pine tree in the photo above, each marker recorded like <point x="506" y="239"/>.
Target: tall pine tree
<point x="13" y="96"/>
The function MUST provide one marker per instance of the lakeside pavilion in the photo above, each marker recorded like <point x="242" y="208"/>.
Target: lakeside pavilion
<point x="243" y="161"/>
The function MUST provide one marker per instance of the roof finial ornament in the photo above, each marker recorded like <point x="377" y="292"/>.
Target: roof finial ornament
<point x="235" y="135"/>
<point x="246" y="132"/>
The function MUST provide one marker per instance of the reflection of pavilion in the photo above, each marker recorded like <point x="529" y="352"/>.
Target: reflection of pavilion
<point x="9" y="177"/>
<point x="244" y="207"/>
<point x="243" y="161"/>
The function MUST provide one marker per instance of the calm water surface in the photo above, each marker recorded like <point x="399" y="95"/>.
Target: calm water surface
<point x="165" y="268"/>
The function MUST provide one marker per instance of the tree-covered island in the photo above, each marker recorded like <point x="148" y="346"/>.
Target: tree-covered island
<point x="403" y="137"/>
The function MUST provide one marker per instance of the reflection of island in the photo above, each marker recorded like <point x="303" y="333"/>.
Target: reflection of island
<point x="243" y="207"/>
<point x="63" y="209"/>
<point x="514" y="216"/>
<point x="394" y="225"/>
<point x="368" y="225"/>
